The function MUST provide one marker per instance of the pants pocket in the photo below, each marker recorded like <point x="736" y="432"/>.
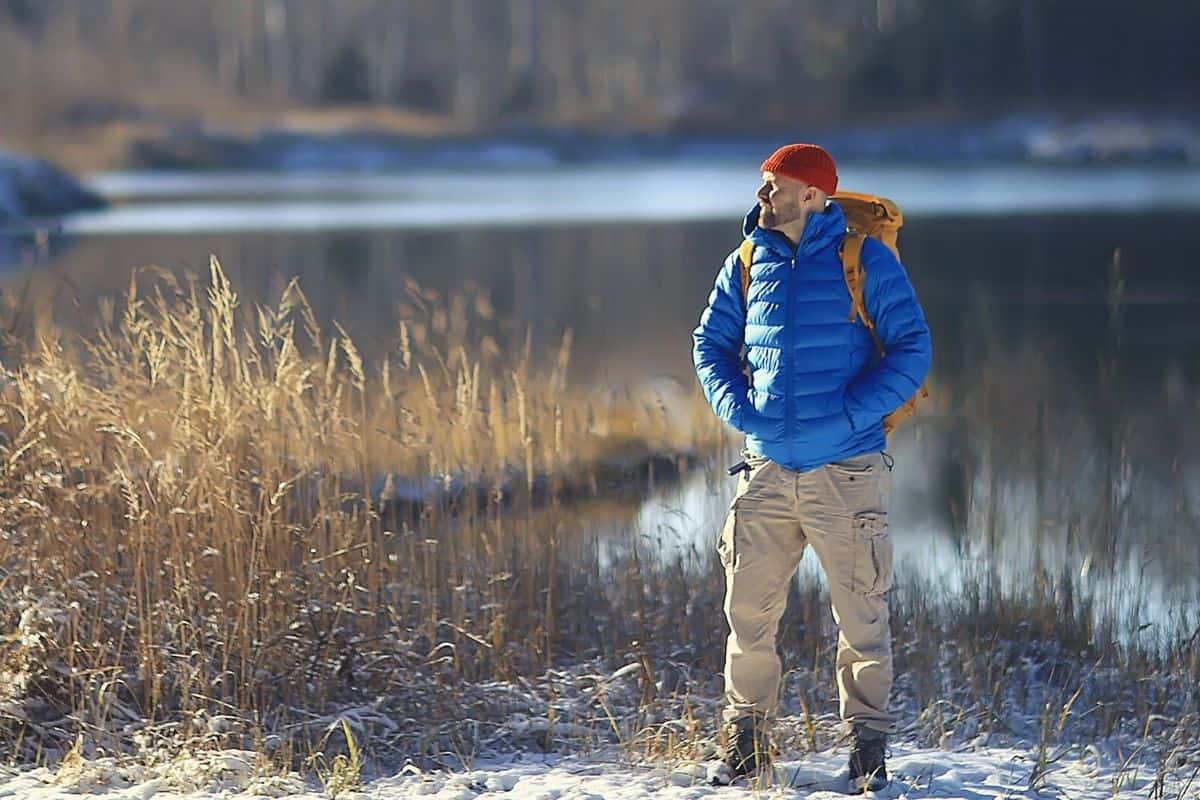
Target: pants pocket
<point x="854" y="468"/>
<point x="749" y="481"/>
<point x="753" y="485"/>
<point x="725" y="542"/>
<point x="873" y="554"/>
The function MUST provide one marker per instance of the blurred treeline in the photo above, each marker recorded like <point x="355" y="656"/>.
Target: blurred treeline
<point x="613" y="64"/>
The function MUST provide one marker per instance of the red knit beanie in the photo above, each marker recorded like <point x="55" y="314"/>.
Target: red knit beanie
<point x="805" y="162"/>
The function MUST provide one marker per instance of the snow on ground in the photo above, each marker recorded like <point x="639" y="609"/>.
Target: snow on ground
<point x="974" y="772"/>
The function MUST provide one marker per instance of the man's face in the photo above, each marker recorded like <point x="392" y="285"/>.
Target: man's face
<point x="783" y="200"/>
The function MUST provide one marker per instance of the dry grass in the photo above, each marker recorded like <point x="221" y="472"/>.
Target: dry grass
<point x="208" y="510"/>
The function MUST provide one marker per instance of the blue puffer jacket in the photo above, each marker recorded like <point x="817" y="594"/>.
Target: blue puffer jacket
<point x="817" y="391"/>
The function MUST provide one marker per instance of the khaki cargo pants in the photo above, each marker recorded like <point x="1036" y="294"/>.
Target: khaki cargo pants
<point x="841" y="511"/>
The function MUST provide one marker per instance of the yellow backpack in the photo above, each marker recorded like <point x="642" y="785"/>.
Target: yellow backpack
<point x="866" y="215"/>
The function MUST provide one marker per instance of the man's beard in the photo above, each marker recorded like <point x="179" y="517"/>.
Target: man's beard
<point x="769" y="218"/>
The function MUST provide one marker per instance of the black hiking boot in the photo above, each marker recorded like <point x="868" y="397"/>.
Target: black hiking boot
<point x="747" y="751"/>
<point x="867" y="770"/>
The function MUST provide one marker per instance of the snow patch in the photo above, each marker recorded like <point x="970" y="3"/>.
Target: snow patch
<point x="969" y="774"/>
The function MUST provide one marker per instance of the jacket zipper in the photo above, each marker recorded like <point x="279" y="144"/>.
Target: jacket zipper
<point x="790" y="326"/>
<point x="786" y="361"/>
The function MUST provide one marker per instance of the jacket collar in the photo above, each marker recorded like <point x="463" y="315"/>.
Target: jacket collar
<point x="820" y="231"/>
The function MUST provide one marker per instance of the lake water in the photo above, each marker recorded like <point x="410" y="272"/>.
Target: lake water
<point x="1065" y="436"/>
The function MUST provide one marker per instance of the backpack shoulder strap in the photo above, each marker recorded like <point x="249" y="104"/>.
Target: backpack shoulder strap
<point x="745" y="257"/>
<point x="856" y="280"/>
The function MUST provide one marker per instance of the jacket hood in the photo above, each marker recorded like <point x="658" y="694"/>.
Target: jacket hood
<point x="820" y="230"/>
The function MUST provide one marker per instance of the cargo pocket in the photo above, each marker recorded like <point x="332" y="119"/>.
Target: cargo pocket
<point x="873" y="554"/>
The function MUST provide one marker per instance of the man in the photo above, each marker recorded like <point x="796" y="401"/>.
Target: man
<point x="810" y="397"/>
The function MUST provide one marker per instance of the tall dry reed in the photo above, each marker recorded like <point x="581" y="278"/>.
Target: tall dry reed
<point x="212" y="508"/>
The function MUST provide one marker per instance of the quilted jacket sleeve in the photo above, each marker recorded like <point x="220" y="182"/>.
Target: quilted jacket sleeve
<point x="900" y="323"/>
<point x="717" y="347"/>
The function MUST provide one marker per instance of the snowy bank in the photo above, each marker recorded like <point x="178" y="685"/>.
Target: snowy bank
<point x="588" y="733"/>
<point x="972" y="772"/>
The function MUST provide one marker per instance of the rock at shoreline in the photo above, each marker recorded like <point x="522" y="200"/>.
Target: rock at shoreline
<point x="31" y="187"/>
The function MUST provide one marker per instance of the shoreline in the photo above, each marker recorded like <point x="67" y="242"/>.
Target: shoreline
<point x="370" y="139"/>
